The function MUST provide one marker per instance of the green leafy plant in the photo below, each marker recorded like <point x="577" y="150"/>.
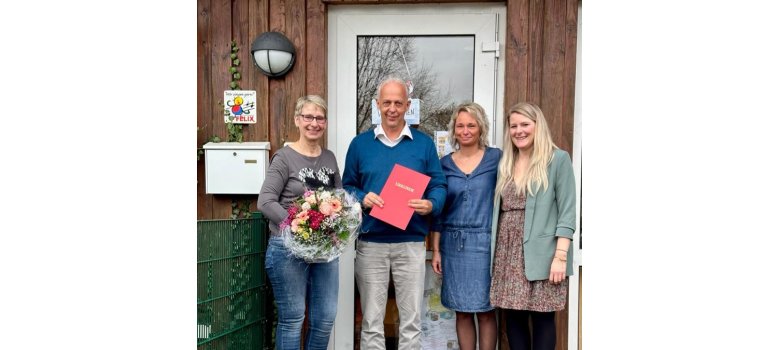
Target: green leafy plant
<point x="235" y="131"/>
<point x="240" y="209"/>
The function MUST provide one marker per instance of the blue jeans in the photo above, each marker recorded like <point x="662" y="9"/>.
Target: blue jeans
<point x="296" y="283"/>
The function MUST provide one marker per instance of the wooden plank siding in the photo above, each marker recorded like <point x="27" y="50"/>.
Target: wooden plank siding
<point x="516" y="49"/>
<point x="295" y="80"/>
<point x="384" y="2"/>
<point x="317" y="53"/>
<point x="540" y="61"/>
<point x="539" y="54"/>
<point x="566" y="140"/>
<point x="204" y="201"/>
<point x="540" y="33"/>
<point x="551" y="82"/>
<point x="535" y="64"/>
<point x="221" y="31"/>
<point x="250" y="19"/>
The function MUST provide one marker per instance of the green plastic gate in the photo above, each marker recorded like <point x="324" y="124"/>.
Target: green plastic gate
<point x="235" y="306"/>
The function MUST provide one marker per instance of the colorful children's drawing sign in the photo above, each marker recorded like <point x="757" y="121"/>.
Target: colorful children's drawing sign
<point x="240" y="106"/>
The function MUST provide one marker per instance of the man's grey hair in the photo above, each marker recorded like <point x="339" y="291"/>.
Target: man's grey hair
<point x="391" y="79"/>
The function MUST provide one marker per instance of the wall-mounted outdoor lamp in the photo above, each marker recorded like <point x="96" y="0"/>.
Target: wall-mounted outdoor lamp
<point x="273" y="53"/>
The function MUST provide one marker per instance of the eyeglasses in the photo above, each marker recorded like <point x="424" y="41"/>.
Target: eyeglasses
<point x="309" y="118"/>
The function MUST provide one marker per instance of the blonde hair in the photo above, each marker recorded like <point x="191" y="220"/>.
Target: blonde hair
<point x="311" y="99"/>
<point x="476" y="111"/>
<point x="541" y="153"/>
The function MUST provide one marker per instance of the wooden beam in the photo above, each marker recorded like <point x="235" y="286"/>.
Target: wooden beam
<point x="385" y="2"/>
<point x="551" y="98"/>
<point x="517" y="49"/>
<point x="251" y="20"/>
<point x="204" y="115"/>
<point x="221" y="36"/>
<point x="569" y="77"/>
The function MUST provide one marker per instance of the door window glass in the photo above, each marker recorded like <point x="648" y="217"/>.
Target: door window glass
<point x="440" y="69"/>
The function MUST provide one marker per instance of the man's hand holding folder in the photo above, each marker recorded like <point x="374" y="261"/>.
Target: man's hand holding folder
<point x="401" y="197"/>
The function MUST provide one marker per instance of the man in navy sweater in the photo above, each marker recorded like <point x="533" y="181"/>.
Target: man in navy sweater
<point x="382" y="248"/>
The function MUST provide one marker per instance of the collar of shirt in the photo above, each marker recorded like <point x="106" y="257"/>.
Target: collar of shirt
<point x="379" y="133"/>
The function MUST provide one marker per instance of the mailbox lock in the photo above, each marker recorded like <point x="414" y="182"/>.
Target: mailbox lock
<point x="234" y="154"/>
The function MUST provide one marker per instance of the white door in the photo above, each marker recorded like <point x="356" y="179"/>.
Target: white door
<point x="480" y="27"/>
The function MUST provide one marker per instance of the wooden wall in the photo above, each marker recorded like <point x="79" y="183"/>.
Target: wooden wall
<point x="540" y="54"/>
<point x="219" y="22"/>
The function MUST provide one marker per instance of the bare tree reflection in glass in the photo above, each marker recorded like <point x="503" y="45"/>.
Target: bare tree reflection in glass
<point x="381" y="56"/>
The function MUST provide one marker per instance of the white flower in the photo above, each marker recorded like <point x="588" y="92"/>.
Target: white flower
<point x="305" y="206"/>
<point x="325" y="195"/>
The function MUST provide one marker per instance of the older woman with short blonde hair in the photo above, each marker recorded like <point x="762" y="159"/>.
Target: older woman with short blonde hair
<point x="298" y="285"/>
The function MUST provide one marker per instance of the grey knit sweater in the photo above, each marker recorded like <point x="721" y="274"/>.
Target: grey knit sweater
<point x="289" y="175"/>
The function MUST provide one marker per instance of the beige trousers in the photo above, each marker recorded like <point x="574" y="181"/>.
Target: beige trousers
<point x="373" y="265"/>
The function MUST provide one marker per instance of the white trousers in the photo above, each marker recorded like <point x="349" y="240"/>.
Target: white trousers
<point x="373" y="264"/>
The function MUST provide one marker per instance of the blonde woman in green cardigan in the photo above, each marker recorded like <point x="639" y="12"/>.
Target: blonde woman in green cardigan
<point x="535" y="197"/>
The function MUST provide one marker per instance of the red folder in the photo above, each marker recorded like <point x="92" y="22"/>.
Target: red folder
<point x="402" y="185"/>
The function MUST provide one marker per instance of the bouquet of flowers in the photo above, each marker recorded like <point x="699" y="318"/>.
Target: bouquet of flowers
<point x="320" y="224"/>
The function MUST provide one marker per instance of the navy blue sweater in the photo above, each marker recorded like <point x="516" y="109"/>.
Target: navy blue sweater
<point x="368" y="164"/>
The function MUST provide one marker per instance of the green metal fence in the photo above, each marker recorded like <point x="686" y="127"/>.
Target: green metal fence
<point x="235" y="306"/>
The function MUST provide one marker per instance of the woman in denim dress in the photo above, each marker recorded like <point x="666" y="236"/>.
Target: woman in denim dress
<point x="462" y="233"/>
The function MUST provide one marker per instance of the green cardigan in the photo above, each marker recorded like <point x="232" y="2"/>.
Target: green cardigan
<point x="548" y="215"/>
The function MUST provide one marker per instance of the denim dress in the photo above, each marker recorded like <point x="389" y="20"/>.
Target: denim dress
<point x="465" y="230"/>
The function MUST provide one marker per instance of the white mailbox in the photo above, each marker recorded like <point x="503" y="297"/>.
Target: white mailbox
<point x="236" y="167"/>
